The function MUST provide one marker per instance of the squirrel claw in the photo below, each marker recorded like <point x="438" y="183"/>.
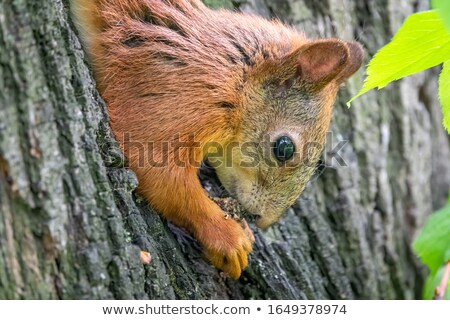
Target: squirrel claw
<point x="247" y="230"/>
<point x="145" y="257"/>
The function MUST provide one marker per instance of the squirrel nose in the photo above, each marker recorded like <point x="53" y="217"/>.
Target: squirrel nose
<point x="265" y="222"/>
<point x="268" y="218"/>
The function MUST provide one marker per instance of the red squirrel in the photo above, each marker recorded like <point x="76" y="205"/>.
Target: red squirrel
<point x="181" y="79"/>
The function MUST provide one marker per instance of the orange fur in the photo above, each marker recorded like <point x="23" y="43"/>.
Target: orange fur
<point x="173" y="68"/>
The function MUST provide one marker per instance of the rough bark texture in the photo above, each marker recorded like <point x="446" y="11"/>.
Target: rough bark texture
<point x="71" y="226"/>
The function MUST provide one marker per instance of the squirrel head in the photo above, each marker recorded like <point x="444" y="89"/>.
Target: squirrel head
<point x="285" y="111"/>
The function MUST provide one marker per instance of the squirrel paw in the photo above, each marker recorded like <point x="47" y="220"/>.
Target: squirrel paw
<point x="227" y="246"/>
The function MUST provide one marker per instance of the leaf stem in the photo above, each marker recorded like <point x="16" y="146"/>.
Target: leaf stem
<point x="440" y="290"/>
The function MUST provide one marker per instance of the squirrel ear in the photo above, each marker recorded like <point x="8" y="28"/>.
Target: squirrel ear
<point x="354" y="62"/>
<point x="325" y="60"/>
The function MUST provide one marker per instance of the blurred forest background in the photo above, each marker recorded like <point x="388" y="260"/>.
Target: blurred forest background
<point x="71" y="226"/>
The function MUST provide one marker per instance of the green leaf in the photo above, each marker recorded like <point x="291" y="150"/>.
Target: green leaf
<point x="443" y="8"/>
<point x="444" y="94"/>
<point x="431" y="284"/>
<point x="433" y="243"/>
<point x="421" y="42"/>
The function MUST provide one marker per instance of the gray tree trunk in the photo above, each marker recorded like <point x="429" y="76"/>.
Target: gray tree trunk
<point x="71" y="226"/>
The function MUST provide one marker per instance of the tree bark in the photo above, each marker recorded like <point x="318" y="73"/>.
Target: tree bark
<point x="71" y="226"/>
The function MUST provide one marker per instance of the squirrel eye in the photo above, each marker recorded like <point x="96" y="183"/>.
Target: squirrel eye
<point x="283" y="148"/>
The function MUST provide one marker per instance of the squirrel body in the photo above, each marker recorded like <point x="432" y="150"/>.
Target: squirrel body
<point x="181" y="80"/>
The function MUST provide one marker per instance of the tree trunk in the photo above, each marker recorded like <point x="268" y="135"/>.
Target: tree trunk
<point x="71" y="226"/>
